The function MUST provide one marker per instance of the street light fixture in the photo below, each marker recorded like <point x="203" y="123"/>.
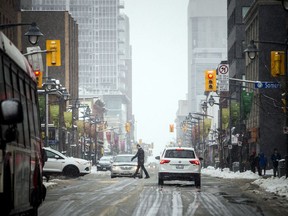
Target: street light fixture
<point x="251" y="50"/>
<point x="49" y="85"/>
<point x="211" y="101"/>
<point x="204" y="106"/>
<point x="33" y="33"/>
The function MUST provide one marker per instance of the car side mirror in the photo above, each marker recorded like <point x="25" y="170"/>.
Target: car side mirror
<point x="157" y="157"/>
<point x="200" y="158"/>
<point x="57" y="157"/>
<point x="11" y="112"/>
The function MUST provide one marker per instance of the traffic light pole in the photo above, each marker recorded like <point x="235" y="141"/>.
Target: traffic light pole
<point x="46" y="113"/>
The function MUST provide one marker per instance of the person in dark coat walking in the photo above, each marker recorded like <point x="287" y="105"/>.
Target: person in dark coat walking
<point x="262" y="163"/>
<point x="140" y="156"/>
<point x="257" y="164"/>
<point x="275" y="157"/>
<point x="252" y="161"/>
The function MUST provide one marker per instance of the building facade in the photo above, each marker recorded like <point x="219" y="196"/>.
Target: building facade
<point x="266" y="120"/>
<point x="105" y="69"/>
<point x="58" y="25"/>
<point x="9" y="14"/>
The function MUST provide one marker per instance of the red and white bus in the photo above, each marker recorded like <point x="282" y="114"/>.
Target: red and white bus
<point x="21" y="187"/>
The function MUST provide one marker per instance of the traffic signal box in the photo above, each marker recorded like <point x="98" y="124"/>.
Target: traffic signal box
<point x="171" y="128"/>
<point x="127" y="127"/>
<point x="53" y="56"/>
<point x="39" y="77"/>
<point x="277" y="63"/>
<point x="210" y="80"/>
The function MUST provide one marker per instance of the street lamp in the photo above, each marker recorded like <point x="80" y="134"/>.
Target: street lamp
<point x="33" y="33"/>
<point x="49" y="86"/>
<point x="64" y="96"/>
<point x="204" y="106"/>
<point x="251" y="50"/>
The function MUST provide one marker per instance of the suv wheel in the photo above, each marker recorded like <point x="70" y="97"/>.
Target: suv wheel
<point x="71" y="171"/>
<point x="160" y="181"/>
<point x="198" y="181"/>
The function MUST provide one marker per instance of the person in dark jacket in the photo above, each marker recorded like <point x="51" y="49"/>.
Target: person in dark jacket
<point x="257" y="163"/>
<point x="140" y="155"/>
<point x="275" y="157"/>
<point x="262" y="163"/>
<point x="252" y="161"/>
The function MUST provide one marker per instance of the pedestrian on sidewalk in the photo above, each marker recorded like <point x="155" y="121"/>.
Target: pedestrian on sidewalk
<point x="140" y="156"/>
<point x="252" y="161"/>
<point x="275" y="157"/>
<point x="262" y="163"/>
<point x="257" y="164"/>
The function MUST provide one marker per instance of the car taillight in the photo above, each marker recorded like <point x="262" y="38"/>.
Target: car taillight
<point x="164" y="161"/>
<point x="196" y="162"/>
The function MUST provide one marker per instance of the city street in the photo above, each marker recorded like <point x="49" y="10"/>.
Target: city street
<point x="97" y="194"/>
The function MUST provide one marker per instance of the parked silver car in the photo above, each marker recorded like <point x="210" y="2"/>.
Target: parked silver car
<point x="122" y="166"/>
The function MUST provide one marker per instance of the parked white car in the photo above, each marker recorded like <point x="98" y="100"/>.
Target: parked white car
<point x="58" y="163"/>
<point x="179" y="163"/>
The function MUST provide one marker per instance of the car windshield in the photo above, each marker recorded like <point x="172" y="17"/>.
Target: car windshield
<point x="105" y="159"/>
<point x="176" y="153"/>
<point x="124" y="158"/>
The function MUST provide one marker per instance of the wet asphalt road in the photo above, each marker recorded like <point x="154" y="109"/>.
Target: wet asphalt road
<point x="100" y="195"/>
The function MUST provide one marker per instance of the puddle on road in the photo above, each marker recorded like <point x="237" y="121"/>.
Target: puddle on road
<point x="235" y="199"/>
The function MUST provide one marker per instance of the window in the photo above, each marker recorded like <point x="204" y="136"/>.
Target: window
<point x="244" y="12"/>
<point x="179" y="153"/>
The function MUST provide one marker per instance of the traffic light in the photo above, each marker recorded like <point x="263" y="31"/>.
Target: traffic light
<point x="53" y="56"/>
<point x="171" y="128"/>
<point x="39" y="77"/>
<point x="210" y="80"/>
<point x="277" y="63"/>
<point x="127" y="127"/>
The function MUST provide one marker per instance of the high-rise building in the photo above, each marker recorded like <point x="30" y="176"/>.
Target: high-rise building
<point x="207" y="44"/>
<point x="104" y="55"/>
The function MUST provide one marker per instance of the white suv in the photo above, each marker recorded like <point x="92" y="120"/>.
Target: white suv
<point x="179" y="163"/>
<point x="58" y="163"/>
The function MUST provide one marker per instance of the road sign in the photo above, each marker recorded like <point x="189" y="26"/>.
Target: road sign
<point x="268" y="85"/>
<point x="223" y="77"/>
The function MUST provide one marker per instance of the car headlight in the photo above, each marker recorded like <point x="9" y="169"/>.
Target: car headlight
<point x="84" y="163"/>
<point x="115" y="167"/>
